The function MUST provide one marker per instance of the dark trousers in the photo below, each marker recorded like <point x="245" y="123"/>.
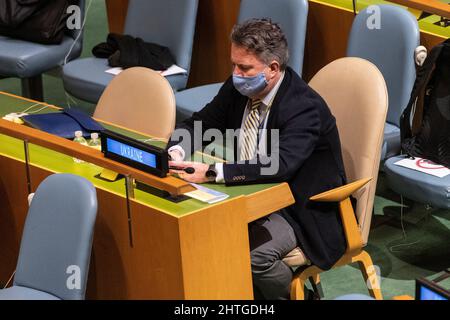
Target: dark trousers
<point x="271" y="238"/>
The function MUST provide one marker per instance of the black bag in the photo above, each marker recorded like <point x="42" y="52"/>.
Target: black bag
<point x="429" y="135"/>
<point x="42" y="21"/>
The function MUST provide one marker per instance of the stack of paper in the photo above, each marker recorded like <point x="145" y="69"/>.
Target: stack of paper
<point x="205" y="194"/>
<point x="425" y="166"/>
<point x="114" y="71"/>
<point x="174" y="69"/>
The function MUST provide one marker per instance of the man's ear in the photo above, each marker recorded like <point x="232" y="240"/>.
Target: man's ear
<point x="274" y="67"/>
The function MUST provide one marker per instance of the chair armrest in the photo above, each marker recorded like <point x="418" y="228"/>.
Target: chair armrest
<point x="341" y="193"/>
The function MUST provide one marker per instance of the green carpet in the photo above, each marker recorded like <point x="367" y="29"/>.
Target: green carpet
<point x="424" y="252"/>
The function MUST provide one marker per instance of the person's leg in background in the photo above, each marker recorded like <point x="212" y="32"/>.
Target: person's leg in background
<point x="271" y="238"/>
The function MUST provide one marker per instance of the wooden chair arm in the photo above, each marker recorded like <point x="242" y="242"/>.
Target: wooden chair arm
<point x="341" y="193"/>
<point x="349" y="223"/>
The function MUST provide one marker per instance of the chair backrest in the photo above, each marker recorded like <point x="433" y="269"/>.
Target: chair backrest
<point x="387" y="36"/>
<point x="170" y="23"/>
<point x="356" y="94"/>
<point x="292" y="16"/>
<point x="139" y="99"/>
<point x="57" y="238"/>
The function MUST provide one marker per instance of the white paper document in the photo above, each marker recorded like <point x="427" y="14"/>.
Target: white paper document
<point x="205" y="194"/>
<point x="114" y="71"/>
<point x="425" y="166"/>
<point x="174" y="69"/>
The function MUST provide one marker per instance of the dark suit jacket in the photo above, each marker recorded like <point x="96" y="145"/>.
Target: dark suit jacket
<point x="309" y="159"/>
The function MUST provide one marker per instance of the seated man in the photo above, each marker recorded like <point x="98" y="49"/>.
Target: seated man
<point x="287" y="134"/>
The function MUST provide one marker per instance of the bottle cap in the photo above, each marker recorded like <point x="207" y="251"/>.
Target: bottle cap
<point x="94" y="135"/>
<point x="78" y="134"/>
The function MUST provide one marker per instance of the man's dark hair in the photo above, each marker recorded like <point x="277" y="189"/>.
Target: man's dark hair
<point x="264" y="38"/>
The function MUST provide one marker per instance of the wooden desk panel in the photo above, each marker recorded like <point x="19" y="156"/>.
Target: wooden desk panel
<point x="116" y="11"/>
<point x="326" y="37"/>
<point x="204" y="255"/>
<point x="211" y="51"/>
<point x="13" y="209"/>
<point x="149" y="268"/>
<point x="430" y="6"/>
<point x="216" y="253"/>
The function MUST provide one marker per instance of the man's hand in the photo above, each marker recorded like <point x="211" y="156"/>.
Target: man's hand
<point x="197" y="177"/>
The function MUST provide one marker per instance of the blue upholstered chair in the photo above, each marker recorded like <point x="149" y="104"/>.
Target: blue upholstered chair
<point x="390" y="45"/>
<point x="56" y="242"/>
<point x="417" y="186"/>
<point x="292" y="16"/>
<point x="169" y="23"/>
<point x="29" y="60"/>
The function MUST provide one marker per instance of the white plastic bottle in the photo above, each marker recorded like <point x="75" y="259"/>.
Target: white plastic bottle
<point x="79" y="139"/>
<point x="95" y="142"/>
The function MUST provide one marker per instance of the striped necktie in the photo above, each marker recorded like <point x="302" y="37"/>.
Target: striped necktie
<point x="250" y="134"/>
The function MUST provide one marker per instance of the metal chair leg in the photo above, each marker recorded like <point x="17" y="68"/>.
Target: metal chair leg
<point x="317" y="286"/>
<point x="32" y="88"/>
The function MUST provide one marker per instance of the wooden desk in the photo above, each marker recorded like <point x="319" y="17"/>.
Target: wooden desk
<point x="431" y="6"/>
<point x="186" y="250"/>
<point x="116" y="12"/>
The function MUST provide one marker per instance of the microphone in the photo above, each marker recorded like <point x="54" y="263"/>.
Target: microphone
<point x="189" y="170"/>
<point x="420" y="55"/>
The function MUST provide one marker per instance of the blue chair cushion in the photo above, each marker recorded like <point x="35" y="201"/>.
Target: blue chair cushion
<point x="391" y="143"/>
<point x="25" y="59"/>
<point x="86" y="78"/>
<point x="418" y="186"/>
<point x="23" y="293"/>
<point x="194" y="99"/>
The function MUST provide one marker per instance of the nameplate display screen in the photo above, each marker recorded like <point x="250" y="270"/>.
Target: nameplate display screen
<point x="135" y="153"/>
<point x="429" y="290"/>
